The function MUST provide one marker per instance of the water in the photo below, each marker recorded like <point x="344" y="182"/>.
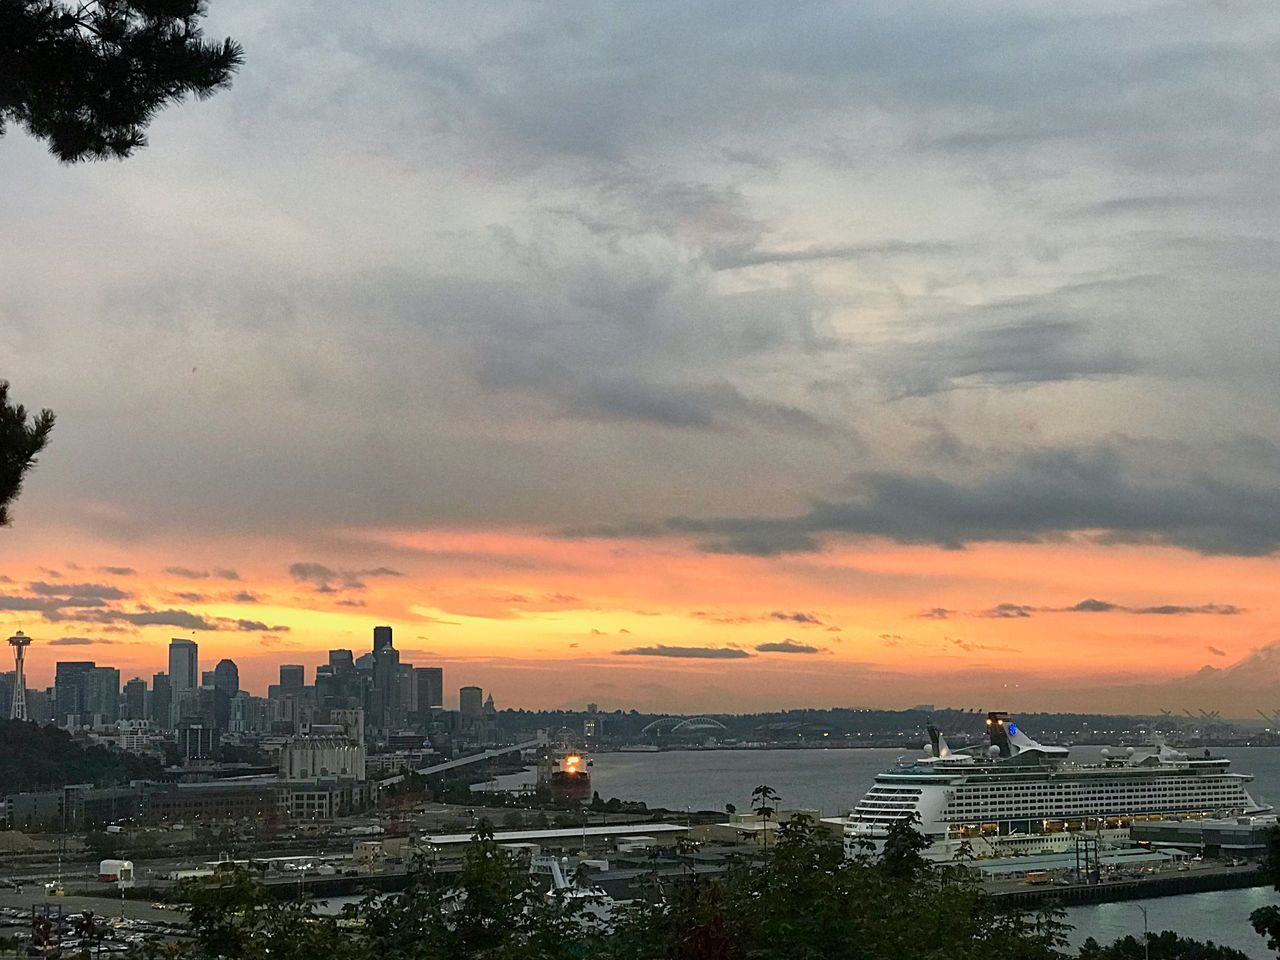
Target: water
<point x="831" y="781"/>
<point x="1222" y="917"/>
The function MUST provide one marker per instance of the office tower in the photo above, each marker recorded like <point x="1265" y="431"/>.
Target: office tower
<point x="385" y="698"/>
<point x="471" y="703"/>
<point x="292" y="678"/>
<point x="71" y="689"/>
<point x="18" y="696"/>
<point x="341" y="661"/>
<point x="184" y="666"/>
<point x="102" y="694"/>
<point x="429" y="682"/>
<point x="226" y="677"/>
<point x="135" y="699"/>
<point x="161" y="701"/>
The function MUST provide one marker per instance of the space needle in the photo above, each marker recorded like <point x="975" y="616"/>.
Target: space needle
<point x="18" y="710"/>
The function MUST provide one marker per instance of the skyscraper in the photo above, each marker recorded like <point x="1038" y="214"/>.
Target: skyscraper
<point x="226" y="677"/>
<point x="161" y="701"/>
<point x="18" y="698"/>
<point x="385" y="698"/>
<point x="135" y="699"/>
<point x="71" y="689"/>
<point x="102" y="694"/>
<point x="184" y="666"/>
<point x="429" y="682"/>
<point x="471" y="702"/>
<point x="292" y="678"/>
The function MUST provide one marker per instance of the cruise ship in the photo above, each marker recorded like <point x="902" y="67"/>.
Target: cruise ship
<point x="1023" y="797"/>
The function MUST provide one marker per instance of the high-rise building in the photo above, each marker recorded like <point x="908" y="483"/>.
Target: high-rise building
<point x="161" y="701"/>
<point x="471" y="703"/>
<point x="135" y="699"/>
<point x="226" y="677"/>
<point x="385" y="695"/>
<point x="71" y="690"/>
<point x="18" y="695"/>
<point x="184" y="666"/>
<point x="341" y="661"/>
<point x="102" y="694"/>
<point x="429" y="684"/>
<point x="292" y="678"/>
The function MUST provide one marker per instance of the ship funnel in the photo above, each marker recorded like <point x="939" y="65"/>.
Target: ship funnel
<point x="939" y="742"/>
<point x="998" y="732"/>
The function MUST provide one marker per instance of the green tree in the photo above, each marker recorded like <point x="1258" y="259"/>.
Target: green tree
<point x="87" y="77"/>
<point x="20" y="440"/>
<point x="764" y="803"/>
<point x="1266" y="920"/>
<point x="1159" y="946"/>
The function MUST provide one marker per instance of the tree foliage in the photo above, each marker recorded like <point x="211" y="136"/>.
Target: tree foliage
<point x="40" y="757"/>
<point x="20" y="439"/>
<point x="1266" y="920"/>
<point x="87" y="77"/>
<point x="802" y="901"/>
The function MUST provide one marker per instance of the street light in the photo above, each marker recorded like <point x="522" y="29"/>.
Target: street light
<point x="1146" y="938"/>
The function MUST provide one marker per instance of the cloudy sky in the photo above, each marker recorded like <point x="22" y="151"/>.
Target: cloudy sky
<point x="710" y="356"/>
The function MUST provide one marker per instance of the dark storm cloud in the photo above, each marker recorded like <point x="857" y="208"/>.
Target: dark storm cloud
<point x="690" y="653"/>
<point x="788" y="646"/>
<point x="676" y="246"/>
<point x="1038" y="496"/>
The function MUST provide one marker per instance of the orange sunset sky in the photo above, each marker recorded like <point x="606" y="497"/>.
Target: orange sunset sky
<point x="723" y="359"/>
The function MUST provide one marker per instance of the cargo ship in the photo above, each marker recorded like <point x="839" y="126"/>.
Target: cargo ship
<point x="565" y="774"/>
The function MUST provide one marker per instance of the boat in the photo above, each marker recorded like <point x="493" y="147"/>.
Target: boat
<point x="564" y="773"/>
<point x="1024" y="797"/>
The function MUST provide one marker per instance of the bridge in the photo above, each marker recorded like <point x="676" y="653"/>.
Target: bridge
<point x="465" y="761"/>
<point x="680" y="725"/>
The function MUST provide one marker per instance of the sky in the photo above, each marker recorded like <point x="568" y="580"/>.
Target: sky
<point x="710" y="357"/>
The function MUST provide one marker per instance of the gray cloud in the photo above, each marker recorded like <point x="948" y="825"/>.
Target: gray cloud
<point x="1008" y="611"/>
<point x="1038" y="496"/>
<point x="806" y="618"/>
<point x="1091" y="605"/>
<point x="188" y="573"/>
<point x="328" y="580"/>
<point x="1217" y="652"/>
<point x="788" y="646"/>
<point x="118" y="571"/>
<point x="935" y="613"/>
<point x="614" y="258"/>
<point x="96" y="591"/>
<point x="691" y="653"/>
<point x="77" y="642"/>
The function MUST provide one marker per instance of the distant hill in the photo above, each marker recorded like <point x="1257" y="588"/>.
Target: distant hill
<point x="38" y="757"/>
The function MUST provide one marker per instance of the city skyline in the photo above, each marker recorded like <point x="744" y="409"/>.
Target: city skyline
<point x="706" y="360"/>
